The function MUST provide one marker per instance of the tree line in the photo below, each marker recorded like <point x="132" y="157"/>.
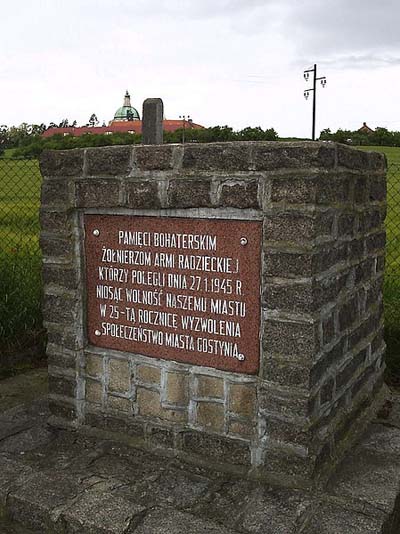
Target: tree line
<point x="378" y="137"/>
<point x="32" y="144"/>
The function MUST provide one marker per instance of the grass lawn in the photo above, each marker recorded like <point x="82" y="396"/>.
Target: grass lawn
<point x="20" y="286"/>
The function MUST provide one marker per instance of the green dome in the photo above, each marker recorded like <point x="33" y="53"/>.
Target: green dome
<point x="126" y="112"/>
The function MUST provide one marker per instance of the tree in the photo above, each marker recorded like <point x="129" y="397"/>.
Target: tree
<point x="93" y="121"/>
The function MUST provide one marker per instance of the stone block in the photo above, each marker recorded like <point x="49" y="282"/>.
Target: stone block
<point x="59" y="308"/>
<point x="63" y="410"/>
<point x="294" y="297"/>
<point x="288" y="264"/>
<point x="334" y="190"/>
<point x="109" y="161"/>
<point x="119" y="404"/>
<point x="148" y="403"/>
<point x="142" y="195"/>
<point x="294" y="340"/>
<point x="327" y="390"/>
<point x="331" y="357"/>
<point x="62" y="336"/>
<point x="94" y="391"/>
<point x="285" y="373"/>
<point x="345" y="375"/>
<point x="219" y="448"/>
<point x="211" y="416"/>
<point x="59" y="275"/>
<point x="287" y="431"/>
<point x="59" y="359"/>
<point x="56" y="247"/>
<point x="148" y="374"/>
<point x="328" y="329"/>
<point x="375" y="242"/>
<point x="346" y="224"/>
<point x="239" y="195"/>
<point x="298" y="228"/>
<point x="157" y="158"/>
<point x="287" y="403"/>
<point x="351" y="158"/>
<point x="119" y="376"/>
<point x="377" y="188"/>
<point x="55" y="194"/>
<point x="159" y="436"/>
<point x="294" y="190"/>
<point x="348" y="313"/>
<point x="94" y="365"/>
<point x="210" y="386"/>
<point x="55" y="163"/>
<point x="152" y="121"/>
<point x="62" y="385"/>
<point x="242" y="400"/>
<point x="94" y="193"/>
<point x="271" y="156"/>
<point x="217" y="157"/>
<point x="55" y="221"/>
<point x="175" y="522"/>
<point x="189" y="193"/>
<point x="245" y="430"/>
<point x="177" y="389"/>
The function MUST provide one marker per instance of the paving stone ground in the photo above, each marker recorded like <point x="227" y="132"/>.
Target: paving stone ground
<point x="63" y="482"/>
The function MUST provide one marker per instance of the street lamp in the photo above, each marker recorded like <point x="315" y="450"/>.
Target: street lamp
<point x="184" y="119"/>
<point x="322" y="79"/>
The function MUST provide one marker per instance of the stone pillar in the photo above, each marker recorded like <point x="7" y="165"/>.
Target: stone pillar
<point x="152" y="125"/>
<point x="318" y="377"/>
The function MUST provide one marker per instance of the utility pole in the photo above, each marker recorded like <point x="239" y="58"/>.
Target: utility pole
<point x="322" y="79"/>
<point x="184" y="119"/>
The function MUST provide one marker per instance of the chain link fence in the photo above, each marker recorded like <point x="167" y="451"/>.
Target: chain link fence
<point x="20" y="283"/>
<point x="21" y="331"/>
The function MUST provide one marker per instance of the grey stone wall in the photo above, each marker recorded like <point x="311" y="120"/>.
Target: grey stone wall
<point x="322" y="207"/>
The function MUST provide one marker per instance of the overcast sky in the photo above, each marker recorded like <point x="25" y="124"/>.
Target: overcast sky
<point x="235" y="62"/>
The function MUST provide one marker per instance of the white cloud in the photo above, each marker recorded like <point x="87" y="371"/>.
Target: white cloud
<point x="236" y="62"/>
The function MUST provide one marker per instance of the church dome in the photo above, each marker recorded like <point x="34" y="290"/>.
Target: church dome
<point x="126" y="112"/>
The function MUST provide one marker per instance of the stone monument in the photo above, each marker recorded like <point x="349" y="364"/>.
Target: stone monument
<point x="221" y="302"/>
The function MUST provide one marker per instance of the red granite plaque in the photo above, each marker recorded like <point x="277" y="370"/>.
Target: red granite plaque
<point x="175" y="288"/>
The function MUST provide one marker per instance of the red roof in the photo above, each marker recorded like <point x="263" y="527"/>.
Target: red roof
<point x="119" y="126"/>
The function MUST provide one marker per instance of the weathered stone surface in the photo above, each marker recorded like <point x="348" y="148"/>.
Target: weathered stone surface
<point x="55" y="194"/>
<point x="148" y="402"/>
<point x="152" y="121"/>
<point x="142" y="195"/>
<point x="210" y="386"/>
<point x="119" y="376"/>
<point x="94" y="391"/>
<point x="62" y="385"/>
<point x="239" y="194"/>
<point x="216" y="447"/>
<point x="60" y="275"/>
<point x="94" y="365"/>
<point x="148" y="374"/>
<point x="290" y="339"/>
<point x="189" y="193"/>
<point x="294" y="190"/>
<point x="177" y="389"/>
<point x="356" y="159"/>
<point x="55" y="246"/>
<point x="242" y="399"/>
<point x="61" y="162"/>
<point x="217" y="156"/>
<point x="211" y="416"/>
<point x="161" y="521"/>
<point x="95" y="193"/>
<point x="333" y="519"/>
<point x="270" y="156"/>
<point x="109" y="161"/>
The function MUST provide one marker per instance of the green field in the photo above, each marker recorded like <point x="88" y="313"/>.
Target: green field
<point x="20" y="283"/>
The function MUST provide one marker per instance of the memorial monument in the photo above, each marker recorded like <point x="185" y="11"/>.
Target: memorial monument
<point x="220" y="302"/>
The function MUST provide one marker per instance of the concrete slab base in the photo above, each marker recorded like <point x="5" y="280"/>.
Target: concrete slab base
<point x="64" y="482"/>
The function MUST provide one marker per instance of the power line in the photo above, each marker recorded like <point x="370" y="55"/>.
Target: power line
<point x="322" y="79"/>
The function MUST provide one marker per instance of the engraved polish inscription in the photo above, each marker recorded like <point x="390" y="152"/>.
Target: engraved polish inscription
<point x="175" y="288"/>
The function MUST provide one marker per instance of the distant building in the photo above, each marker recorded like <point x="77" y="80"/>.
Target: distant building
<point x="365" y="129"/>
<point x="126" y="120"/>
